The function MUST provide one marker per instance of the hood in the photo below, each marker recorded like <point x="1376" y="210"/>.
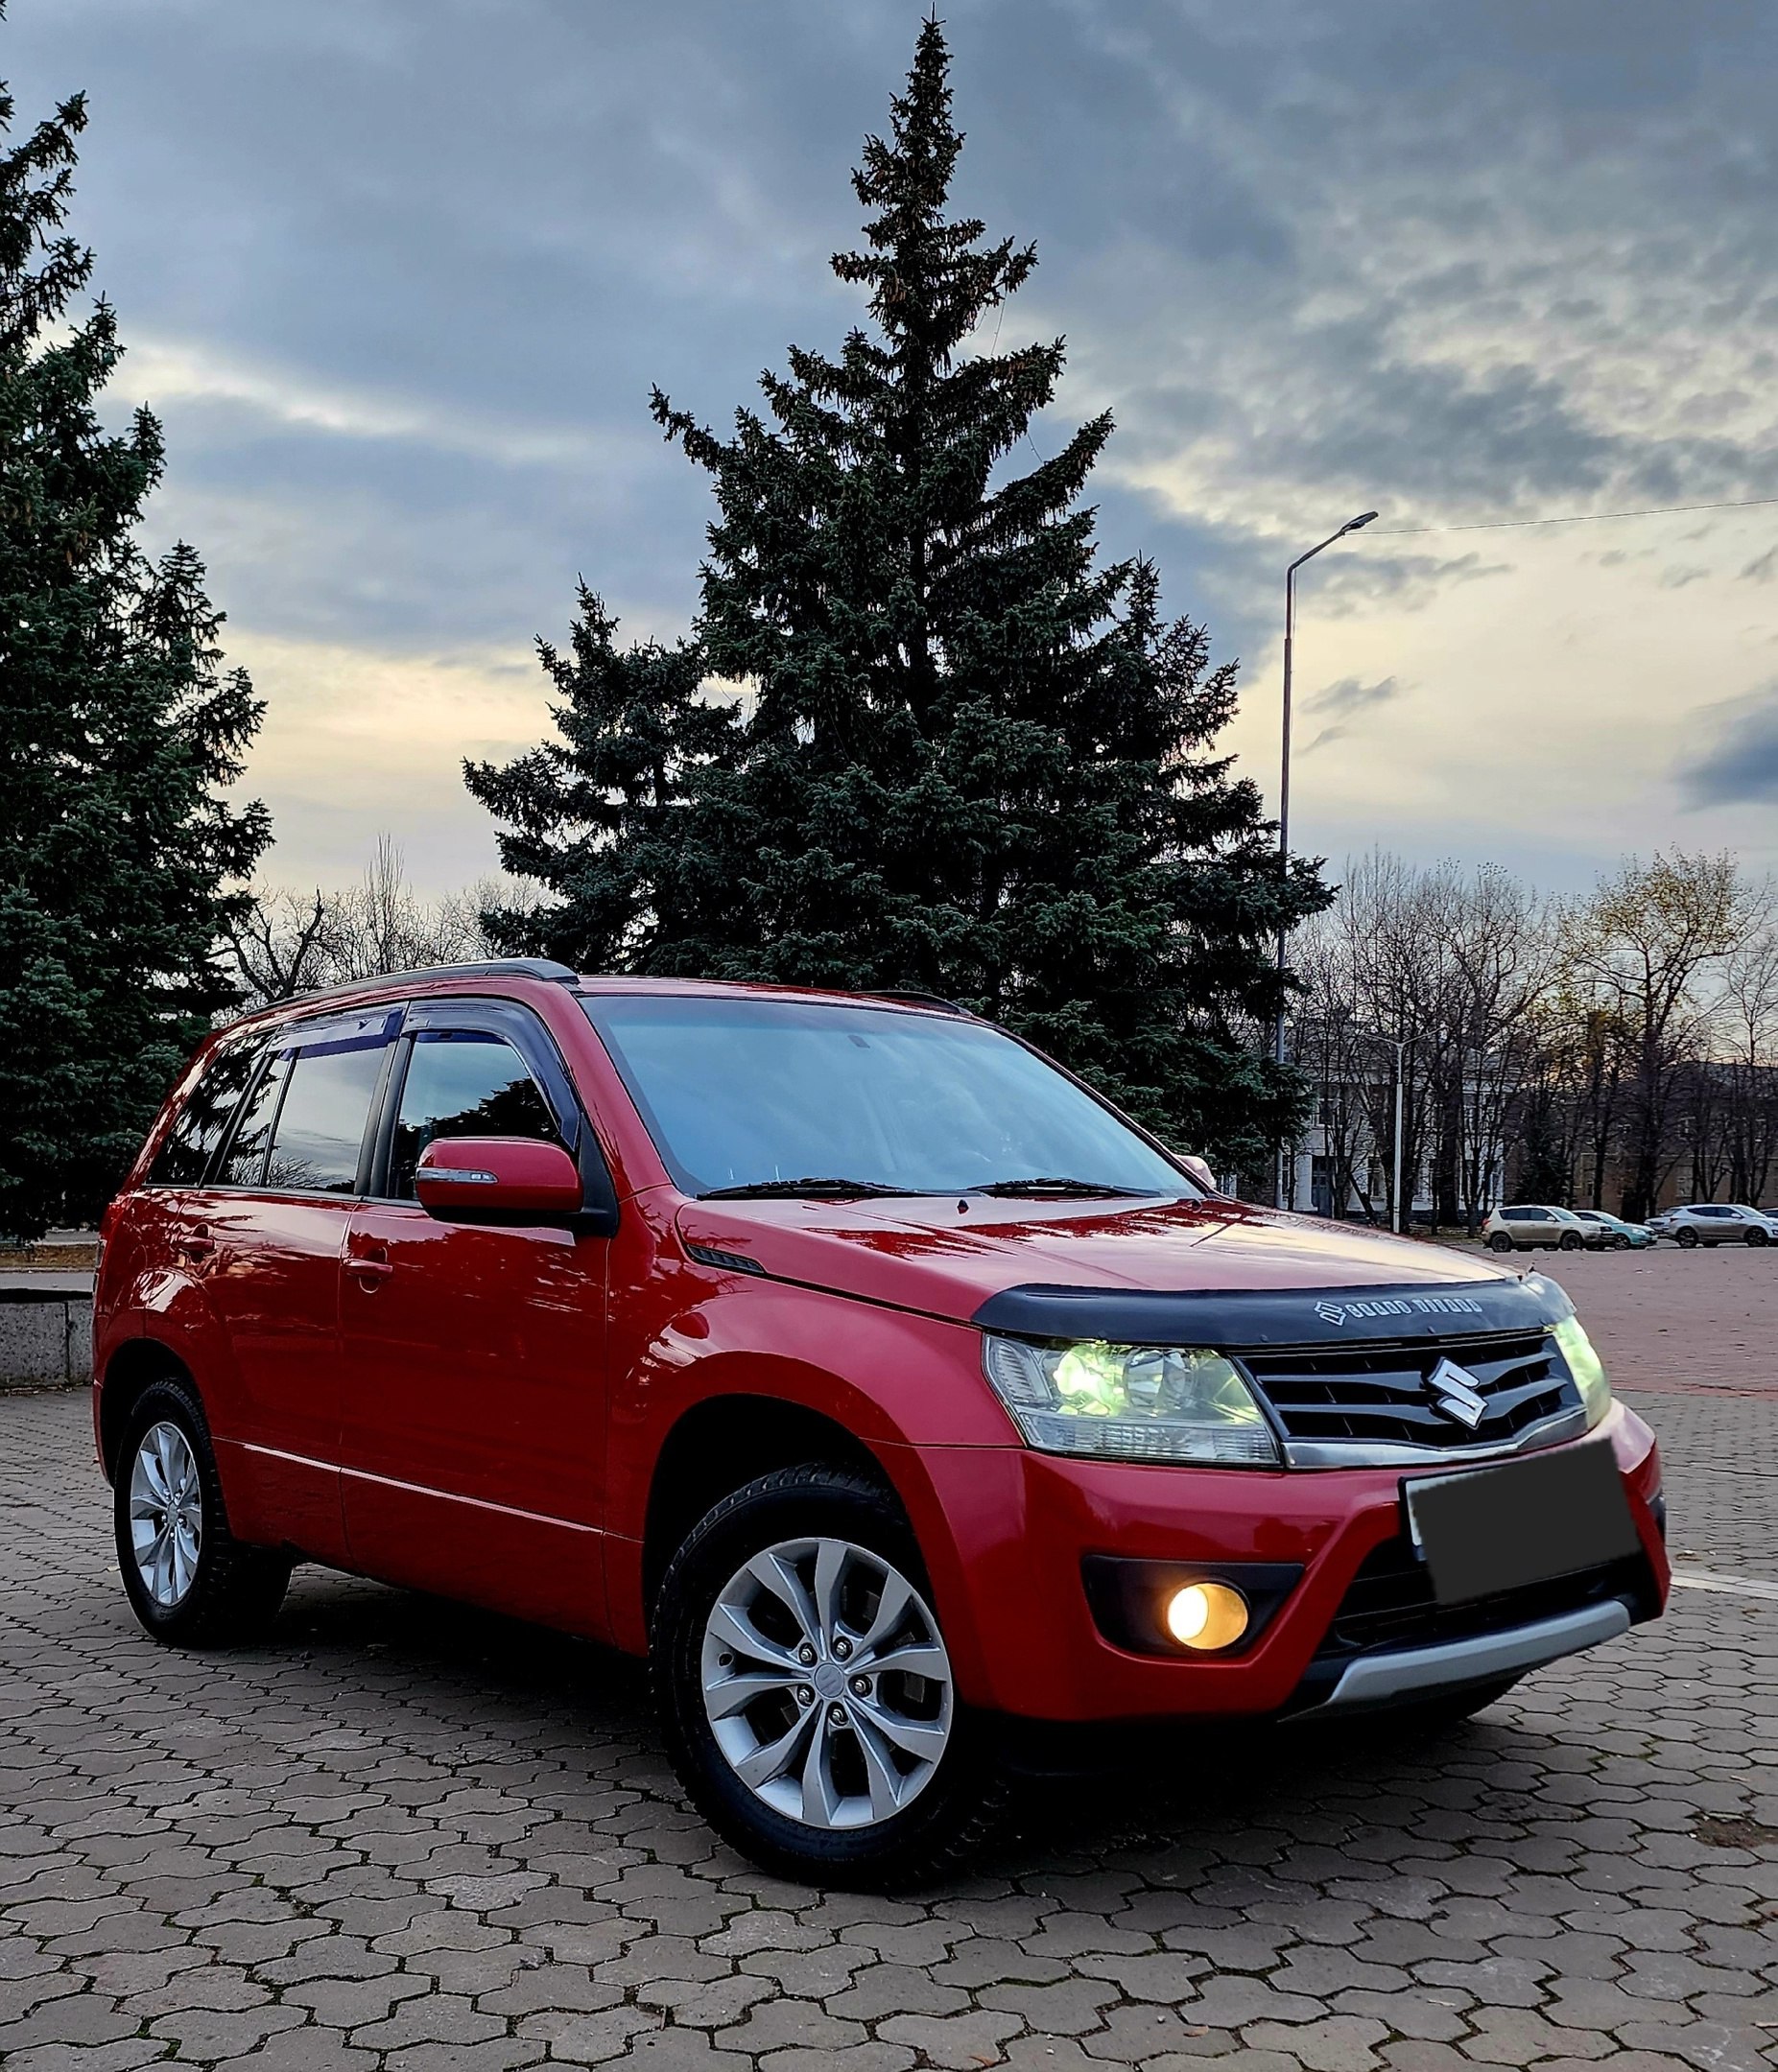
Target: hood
<point x="948" y="1255"/>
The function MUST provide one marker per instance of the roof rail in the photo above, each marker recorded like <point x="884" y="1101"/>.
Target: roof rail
<point x="917" y="1000"/>
<point x="481" y="968"/>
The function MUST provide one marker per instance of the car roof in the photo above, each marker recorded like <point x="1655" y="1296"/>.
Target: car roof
<point x="529" y="976"/>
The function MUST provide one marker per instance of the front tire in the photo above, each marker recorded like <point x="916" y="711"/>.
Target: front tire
<point x="806" y="1694"/>
<point x="1572" y="1241"/>
<point x="189" y="1581"/>
<point x="1757" y="1236"/>
<point x="1620" y="1243"/>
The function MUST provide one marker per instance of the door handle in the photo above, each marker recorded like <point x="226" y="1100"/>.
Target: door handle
<point x="197" y="1242"/>
<point x="368" y="1271"/>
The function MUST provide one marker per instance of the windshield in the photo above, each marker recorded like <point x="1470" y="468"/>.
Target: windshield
<point x="745" y="1092"/>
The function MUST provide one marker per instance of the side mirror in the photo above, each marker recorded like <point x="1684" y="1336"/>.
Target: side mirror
<point x="1199" y="1170"/>
<point x="497" y="1180"/>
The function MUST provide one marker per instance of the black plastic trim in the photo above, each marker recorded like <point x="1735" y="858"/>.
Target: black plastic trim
<point x="1237" y="1317"/>
<point x="730" y="1262"/>
<point x="1125" y="1591"/>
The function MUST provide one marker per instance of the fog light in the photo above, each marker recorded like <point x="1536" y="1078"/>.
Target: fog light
<point x="1206" y="1615"/>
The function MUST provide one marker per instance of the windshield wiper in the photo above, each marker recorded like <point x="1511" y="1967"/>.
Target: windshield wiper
<point x="836" y="1189"/>
<point x="1044" y="1184"/>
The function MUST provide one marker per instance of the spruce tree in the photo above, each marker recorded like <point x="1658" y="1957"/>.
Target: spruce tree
<point x="599" y="814"/>
<point x="118" y="728"/>
<point x="978" y="759"/>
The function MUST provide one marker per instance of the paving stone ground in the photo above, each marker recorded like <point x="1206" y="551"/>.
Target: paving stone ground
<point x="405" y="1836"/>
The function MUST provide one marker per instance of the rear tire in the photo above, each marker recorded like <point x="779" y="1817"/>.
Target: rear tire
<point x="1501" y="1242"/>
<point x="1686" y="1238"/>
<point x="190" y="1581"/>
<point x="878" y="1778"/>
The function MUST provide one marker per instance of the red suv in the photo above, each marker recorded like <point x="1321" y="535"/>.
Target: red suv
<point x="902" y="1400"/>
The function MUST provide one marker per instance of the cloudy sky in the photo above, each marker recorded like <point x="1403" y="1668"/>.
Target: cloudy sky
<point x="397" y="275"/>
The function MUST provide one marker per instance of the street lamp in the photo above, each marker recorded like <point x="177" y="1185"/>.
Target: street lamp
<point x="1352" y="524"/>
<point x="1399" y="1044"/>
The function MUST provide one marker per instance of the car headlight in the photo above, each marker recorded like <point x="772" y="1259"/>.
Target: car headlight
<point x="1586" y="1366"/>
<point x="1130" y="1403"/>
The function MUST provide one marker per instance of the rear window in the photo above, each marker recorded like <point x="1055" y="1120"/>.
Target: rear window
<point x="302" y="1126"/>
<point x="245" y="1165"/>
<point x="321" y="1125"/>
<point x="203" y="1119"/>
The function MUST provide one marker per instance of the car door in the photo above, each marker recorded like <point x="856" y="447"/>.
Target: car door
<point x="269" y="1244"/>
<point x="473" y="1357"/>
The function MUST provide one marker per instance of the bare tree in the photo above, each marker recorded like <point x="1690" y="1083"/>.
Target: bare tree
<point x="1747" y="1039"/>
<point x="290" y="944"/>
<point x="280" y="947"/>
<point x="1652" y="945"/>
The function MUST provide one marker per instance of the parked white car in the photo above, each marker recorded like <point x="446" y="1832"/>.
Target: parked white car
<point x="1526" y="1224"/>
<point x="1715" y="1223"/>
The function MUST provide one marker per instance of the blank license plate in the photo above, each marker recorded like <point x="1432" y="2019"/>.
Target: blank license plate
<point x="1527" y="1521"/>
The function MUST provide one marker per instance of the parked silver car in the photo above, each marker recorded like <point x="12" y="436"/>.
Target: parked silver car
<point x="1526" y="1224"/>
<point x="1715" y="1223"/>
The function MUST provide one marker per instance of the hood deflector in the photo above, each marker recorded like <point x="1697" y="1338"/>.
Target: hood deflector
<point x="1236" y="1317"/>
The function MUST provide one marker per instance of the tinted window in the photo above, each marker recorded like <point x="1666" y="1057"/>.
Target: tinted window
<point x="1522" y="1216"/>
<point x="246" y="1162"/>
<point x="740" y="1091"/>
<point x="461" y="1083"/>
<point x="198" y="1129"/>
<point x="321" y="1125"/>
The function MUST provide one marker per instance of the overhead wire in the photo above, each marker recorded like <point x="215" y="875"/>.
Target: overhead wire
<point x="1507" y="525"/>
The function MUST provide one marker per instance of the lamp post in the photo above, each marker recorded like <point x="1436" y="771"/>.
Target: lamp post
<point x="1399" y="1044"/>
<point x="1352" y="524"/>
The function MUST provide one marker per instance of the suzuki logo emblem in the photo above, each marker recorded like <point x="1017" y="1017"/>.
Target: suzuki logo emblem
<point x="1457" y="1393"/>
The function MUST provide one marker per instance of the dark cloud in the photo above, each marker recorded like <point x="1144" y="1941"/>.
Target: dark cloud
<point x="1741" y="764"/>
<point x="421" y="260"/>
<point x="1344" y="702"/>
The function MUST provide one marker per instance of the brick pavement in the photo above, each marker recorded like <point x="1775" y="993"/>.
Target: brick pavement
<point x="1675" y="1321"/>
<point x="407" y="1836"/>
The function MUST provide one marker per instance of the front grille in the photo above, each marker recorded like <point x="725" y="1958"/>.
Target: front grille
<point x="1377" y="1393"/>
<point x="1389" y="1603"/>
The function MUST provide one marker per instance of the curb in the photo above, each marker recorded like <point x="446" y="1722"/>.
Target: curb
<point x="46" y="1338"/>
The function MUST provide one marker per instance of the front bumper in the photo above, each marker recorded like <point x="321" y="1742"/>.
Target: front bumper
<point x="1008" y="1531"/>
<point x="1398" y="1676"/>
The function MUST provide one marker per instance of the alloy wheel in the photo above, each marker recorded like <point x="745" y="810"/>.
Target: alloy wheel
<point x="166" y="1514"/>
<point x="827" y="1684"/>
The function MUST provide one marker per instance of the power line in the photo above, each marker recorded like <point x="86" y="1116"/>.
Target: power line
<point x="1507" y="525"/>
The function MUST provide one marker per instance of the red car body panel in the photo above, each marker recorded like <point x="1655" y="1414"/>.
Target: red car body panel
<point x="481" y="1411"/>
